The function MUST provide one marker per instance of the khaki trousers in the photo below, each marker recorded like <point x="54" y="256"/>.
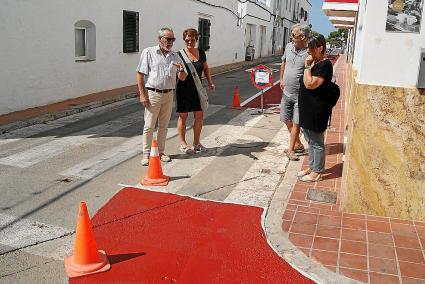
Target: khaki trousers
<point x="161" y="106"/>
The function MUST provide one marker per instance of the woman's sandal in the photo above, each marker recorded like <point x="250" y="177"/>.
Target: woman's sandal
<point x="304" y="172"/>
<point x="199" y="148"/>
<point x="186" y="149"/>
<point x="308" y="178"/>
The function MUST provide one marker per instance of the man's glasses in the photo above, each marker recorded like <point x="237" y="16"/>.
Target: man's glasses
<point x="294" y="36"/>
<point x="169" y="39"/>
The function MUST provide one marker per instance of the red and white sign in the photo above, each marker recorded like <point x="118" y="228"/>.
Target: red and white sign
<point x="261" y="77"/>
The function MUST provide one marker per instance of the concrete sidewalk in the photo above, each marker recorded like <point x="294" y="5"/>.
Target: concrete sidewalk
<point x="36" y="115"/>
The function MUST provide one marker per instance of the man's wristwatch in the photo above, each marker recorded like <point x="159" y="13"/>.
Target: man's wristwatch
<point x="307" y="67"/>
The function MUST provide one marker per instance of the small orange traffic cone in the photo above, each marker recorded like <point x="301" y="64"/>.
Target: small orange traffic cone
<point x="155" y="175"/>
<point x="86" y="259"/>
<point x="236" y="101"/>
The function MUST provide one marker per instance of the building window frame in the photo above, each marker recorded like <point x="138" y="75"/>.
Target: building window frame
<point x="204" y="30"/>
<point x="89" y="41"/>
<point x="130" y="43"/>
<point x="82" y="56"/>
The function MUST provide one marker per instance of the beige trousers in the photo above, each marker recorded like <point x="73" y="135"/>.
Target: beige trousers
<point x="159" y="111"/>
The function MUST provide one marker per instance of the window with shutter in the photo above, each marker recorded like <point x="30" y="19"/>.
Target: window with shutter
<point x="204" y="28"/>
<point x="130" y="31"/>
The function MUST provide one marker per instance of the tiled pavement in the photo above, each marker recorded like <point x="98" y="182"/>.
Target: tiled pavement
<point x="367" y="248"/>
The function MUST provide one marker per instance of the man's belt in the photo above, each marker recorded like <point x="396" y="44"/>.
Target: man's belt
<point x="159" y="91"/>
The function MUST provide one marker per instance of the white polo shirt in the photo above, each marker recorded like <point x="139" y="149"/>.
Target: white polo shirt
<point x="159" y="70"/>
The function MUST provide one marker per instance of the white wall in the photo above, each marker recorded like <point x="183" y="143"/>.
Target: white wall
<point x="386" y="58"/>
<point x="37" y="49"/>
<point x="261" y="18"/>
<point x="359" y="36"/>
<point x="286" y="12"/>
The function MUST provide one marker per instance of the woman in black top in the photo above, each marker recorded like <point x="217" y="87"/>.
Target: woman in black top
<point x="187" y="95"/>
<point x="314" y="109"/>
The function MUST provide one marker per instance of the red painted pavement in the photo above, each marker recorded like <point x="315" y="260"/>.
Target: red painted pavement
<point x="271" y="97"/>
<point x="153" y="237"/>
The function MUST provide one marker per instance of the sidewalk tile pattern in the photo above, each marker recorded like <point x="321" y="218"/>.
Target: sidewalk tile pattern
<point x="371" y="249"/>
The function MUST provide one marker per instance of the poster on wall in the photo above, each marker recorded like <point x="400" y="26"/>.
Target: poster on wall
<point x="404" y="16"/>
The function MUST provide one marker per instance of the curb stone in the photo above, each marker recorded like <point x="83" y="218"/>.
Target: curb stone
<point x="62" y="113"/>
<point x="279" y="240"/>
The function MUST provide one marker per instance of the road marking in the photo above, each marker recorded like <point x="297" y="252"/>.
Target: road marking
<point x="187" y="169"/>
<point x="245" y="102"/>
<point x="249" y="70"/>
<point x="50" y="149"/>
<point x="26" y="232"/>
<point x="32" y="130"/>
<point x="267" y="169"/>
<point x="116" y="155"/>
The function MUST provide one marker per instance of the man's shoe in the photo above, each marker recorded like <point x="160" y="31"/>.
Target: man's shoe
<point x="164" y="158"/>
<point x="299" y="149"/>
<point x="292" y="157"/>
<point x="145" y="161"/>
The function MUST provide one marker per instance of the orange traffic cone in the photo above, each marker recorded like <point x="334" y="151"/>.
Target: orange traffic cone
<point x="86" y="259"/>
<point x="155" y="175"/>
<point x="236" y="101"/>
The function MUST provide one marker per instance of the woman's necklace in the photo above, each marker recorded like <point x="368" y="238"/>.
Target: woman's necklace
<point x="191" y="54"/>
<point x="315" y="62"/>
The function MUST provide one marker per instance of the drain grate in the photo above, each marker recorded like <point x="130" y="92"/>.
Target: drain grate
<point x="319" y="195"/>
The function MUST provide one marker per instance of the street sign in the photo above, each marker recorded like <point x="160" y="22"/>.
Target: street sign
<point x="261" y="77"/>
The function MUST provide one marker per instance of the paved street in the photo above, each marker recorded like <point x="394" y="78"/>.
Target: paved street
<point x="47" y="169"/>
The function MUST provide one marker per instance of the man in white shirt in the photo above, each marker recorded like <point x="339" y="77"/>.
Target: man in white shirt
<point x="156" y="77"/>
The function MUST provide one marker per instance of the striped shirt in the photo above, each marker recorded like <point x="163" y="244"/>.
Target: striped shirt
<point x="159" y="70"/>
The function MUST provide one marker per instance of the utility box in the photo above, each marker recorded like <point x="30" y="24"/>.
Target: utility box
<point x="421" y="76"/>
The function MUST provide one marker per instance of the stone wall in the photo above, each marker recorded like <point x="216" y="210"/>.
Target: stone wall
<point x="384" y="168"/>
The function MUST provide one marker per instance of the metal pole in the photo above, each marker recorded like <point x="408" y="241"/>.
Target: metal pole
<point x="262" y="101"/>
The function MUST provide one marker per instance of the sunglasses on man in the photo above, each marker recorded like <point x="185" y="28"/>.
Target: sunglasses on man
<point x="294" y="36"/>
<point x="169" y="39"/>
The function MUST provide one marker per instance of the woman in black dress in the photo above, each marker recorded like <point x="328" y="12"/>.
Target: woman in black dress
<point x="187" y="94"/>
<point x="314" y="106"/>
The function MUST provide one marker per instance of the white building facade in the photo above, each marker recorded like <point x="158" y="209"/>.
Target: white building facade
<point x="57" y="50"/>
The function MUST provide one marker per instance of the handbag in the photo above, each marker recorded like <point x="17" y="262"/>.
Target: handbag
<point x="202" y="92"/>
<point x="334" y="93"/>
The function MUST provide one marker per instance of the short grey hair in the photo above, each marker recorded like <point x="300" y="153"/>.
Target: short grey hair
<point x="303" y="28"/>
<point x="162" y="31"/>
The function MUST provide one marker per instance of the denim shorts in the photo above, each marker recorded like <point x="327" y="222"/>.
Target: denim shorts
<point x="289" y="109"/>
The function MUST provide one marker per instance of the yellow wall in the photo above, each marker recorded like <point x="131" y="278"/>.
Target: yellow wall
<point x="384" y="168"/>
